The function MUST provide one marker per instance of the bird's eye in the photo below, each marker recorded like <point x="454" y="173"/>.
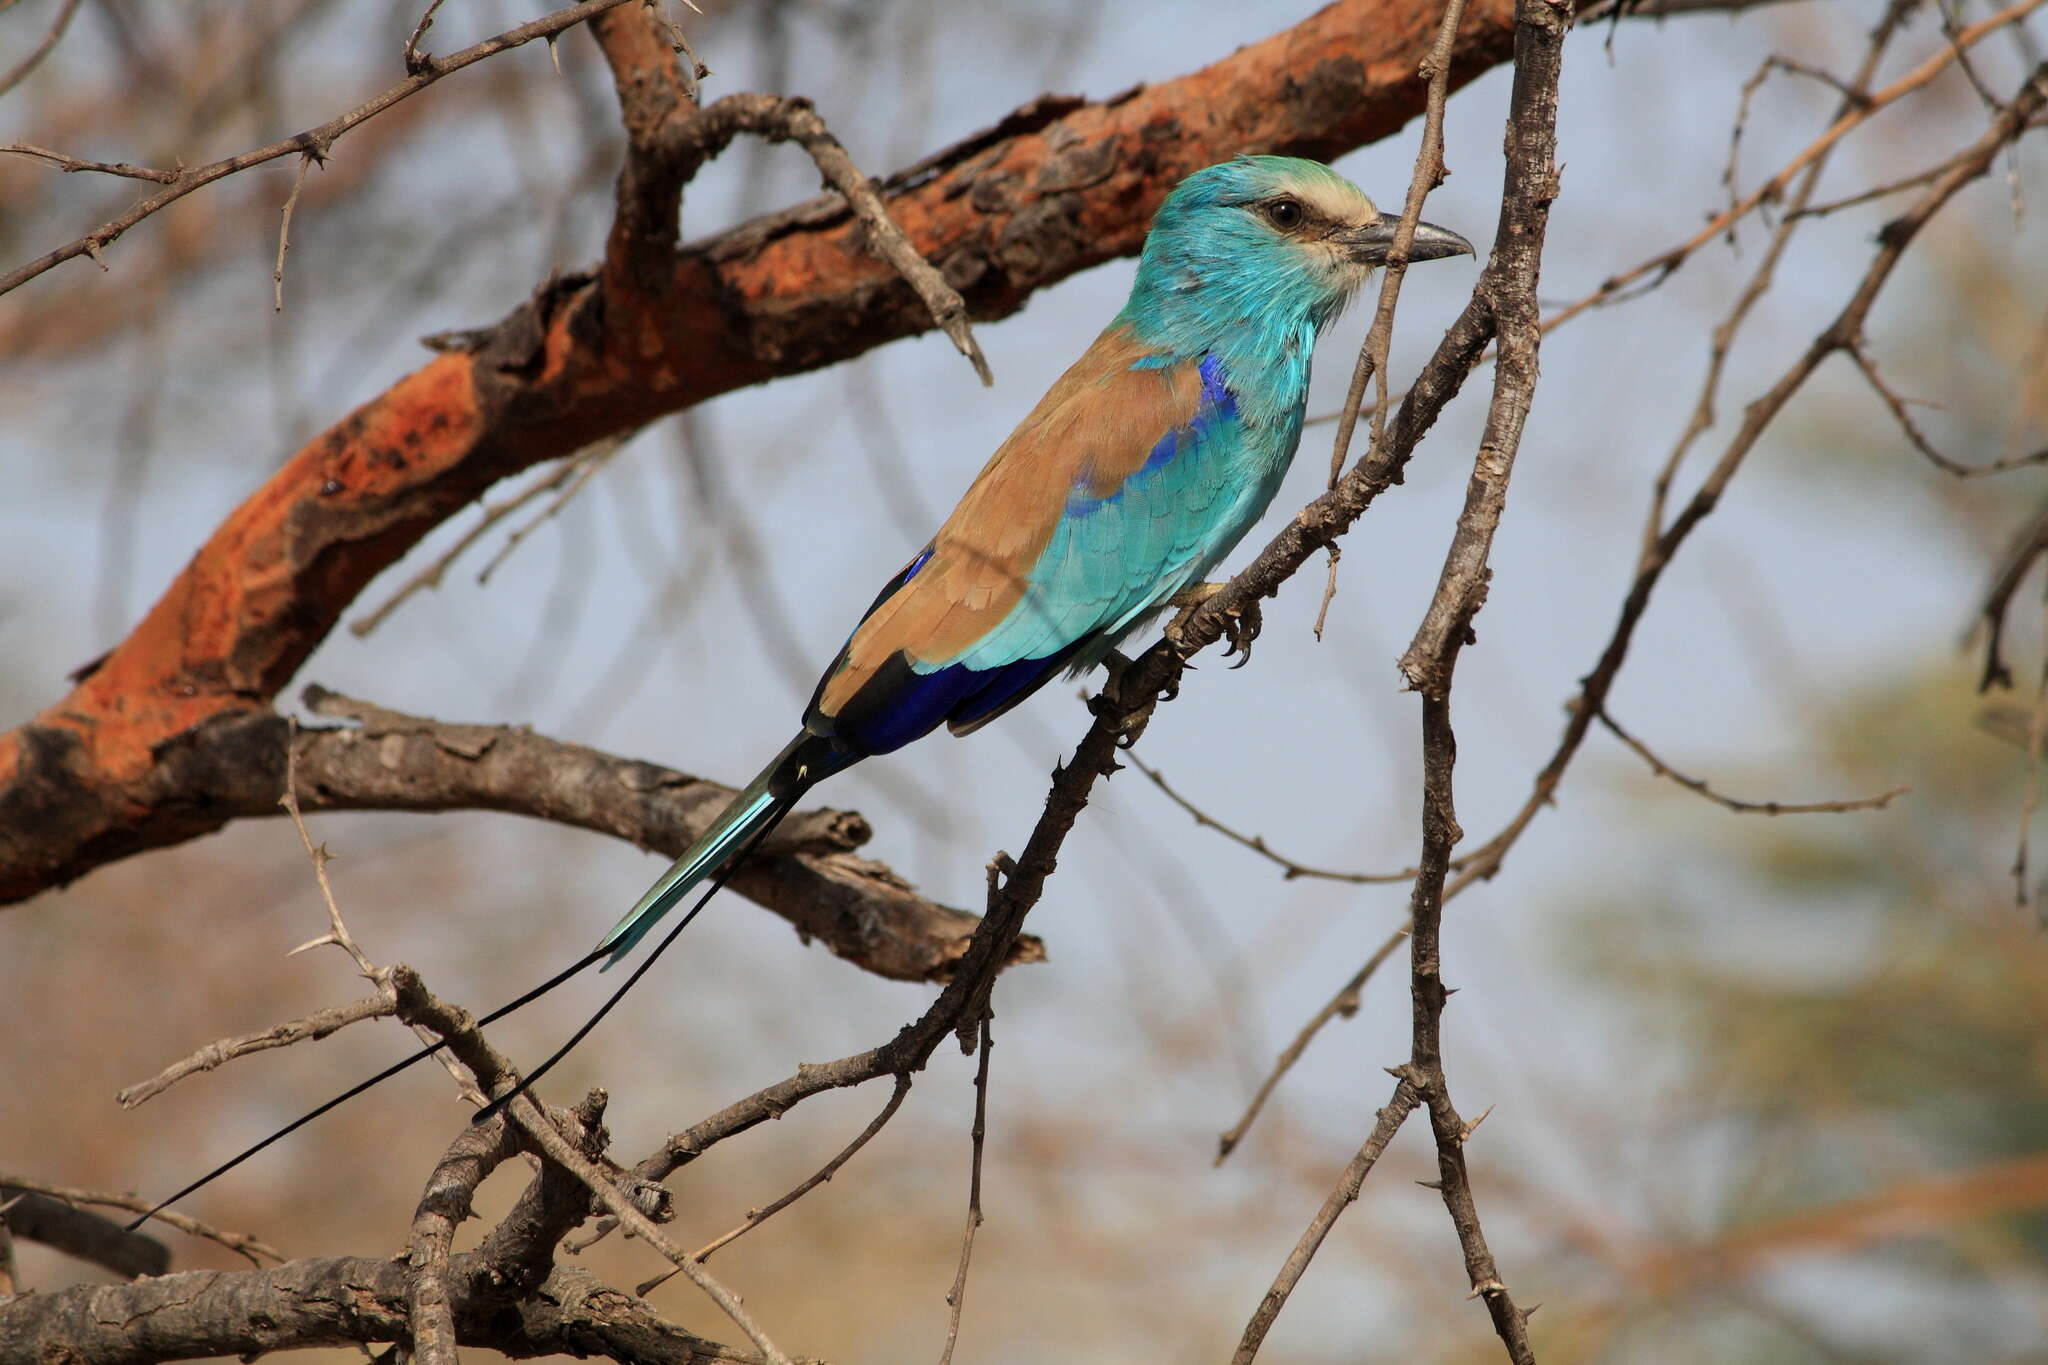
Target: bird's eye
<point x="1284" y="214"/>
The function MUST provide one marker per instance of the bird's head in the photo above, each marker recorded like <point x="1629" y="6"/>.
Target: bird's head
<point x="1269" y="243"/>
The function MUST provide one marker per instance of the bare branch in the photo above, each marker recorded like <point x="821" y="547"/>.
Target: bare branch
<point x="585" y="464"/>
<point x="284" y="227"/>
<point x="1289" y="868"/>
<point x="2027" y="546"/>
<point x="956" y="1297"/>
<point x="315" y="140"/>
<point x="1345" y="1004"/>
<point x="341" y="1301"/>
<point x="416" y="61"/>
<point x="78" y="1233"/>
<point x="1665" y="262"/>
<point x="419" y="1007"/>
<point x="65" y="162"/>
<point x="1839" y="335"/>
<point x="1898" y="406"/>
<point x="2037" y="739"/>
<point x="493" y="513"/>
<point x="792" y="119"/>
<point x="241" y="1243"/>
<point x="1388" y="1122"/>
<point x="51" y="38"/>
<point x="1372" y="355"/>
<point x="1694" y="784"/>
<point x="756" y="1217"/>
<point x="312" y="1027"/>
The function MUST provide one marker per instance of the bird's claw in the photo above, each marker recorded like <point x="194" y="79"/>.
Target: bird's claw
<point x="1128" y="714"/>
<point x="1241" y="625"/>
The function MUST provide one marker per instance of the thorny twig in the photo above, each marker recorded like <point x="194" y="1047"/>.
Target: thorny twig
<point x="1839" y="335"/>
<point x="1343" y="1004"/>
<point x="1387" y="1122"/>
<point x="956" y="1297"/>
<point x="1379" y="337"/>
<point x="418" y="1007"/>
<point x="756" y="1217"/>
<point x="1507" y="293"/>
<point x="284" y="229"/>
<point x="241" y="1243"/>
<point x="51" y="37"/>
<point x="1660" y="267"/>
<point x="188" y="179"/>
<point x="312" y="1027"/>
<point x="493" y="513"/>
<point x="2037" y="738"/>
<point x="792" y="119"/>
<point x="1698" y="785"/>
<point x="1289" y="868"/>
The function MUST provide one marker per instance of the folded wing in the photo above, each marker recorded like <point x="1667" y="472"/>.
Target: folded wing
<point x="1127" y="481"/>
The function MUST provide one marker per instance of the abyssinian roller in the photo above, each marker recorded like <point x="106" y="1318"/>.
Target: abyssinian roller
<point x="1138" y="471"/>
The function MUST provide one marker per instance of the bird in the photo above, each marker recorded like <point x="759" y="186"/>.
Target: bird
<point x="1138" y="471"/>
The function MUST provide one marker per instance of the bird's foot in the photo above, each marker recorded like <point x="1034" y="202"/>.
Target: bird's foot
<point x="1119" y="702"/>
<point x="1241" y="625"/>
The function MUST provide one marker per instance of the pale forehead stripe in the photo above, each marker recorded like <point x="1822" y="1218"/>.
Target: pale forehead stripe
<point x="1335" y="200"/>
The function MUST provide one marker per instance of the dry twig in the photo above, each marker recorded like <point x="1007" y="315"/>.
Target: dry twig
<point x="1839" y="335"/>
<point x="51" y="37"/>
<point x="791" y="119"/>
<point x="756" y="1217"/>
<point x="1372" y="356"/>
<point x="187" y="179"/>
<point x="956" y="1297"/>
<point x="1698" y="785"/>
<point x="1343" y="1004"/>
<point x="241" y="1243"/>
<point x="492" y="514"/>
<point x="311" y="1027"/>
<point x="1289" y="868"/>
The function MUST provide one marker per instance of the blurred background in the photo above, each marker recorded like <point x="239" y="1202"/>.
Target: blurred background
<point x="1762" y="1089"/>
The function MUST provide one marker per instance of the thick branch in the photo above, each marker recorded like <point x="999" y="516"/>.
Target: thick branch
<point x="1057" y="187"/>
<point x="234" y="767"/>
<point x="81" y="1233"/>
<point x="338" y="1301"/>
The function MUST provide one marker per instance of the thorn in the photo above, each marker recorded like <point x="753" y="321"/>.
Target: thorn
<point x="1473" y="1127"/>
<point x="1437" y="1185"/>
<point x="555" y="52"/>
<point x="1489" y="1287"/>
<point x="320" y="942"/>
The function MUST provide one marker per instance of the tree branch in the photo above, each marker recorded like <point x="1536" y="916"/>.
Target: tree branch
<point x="1059" y="186"/>
<point x="340" y="1301"/>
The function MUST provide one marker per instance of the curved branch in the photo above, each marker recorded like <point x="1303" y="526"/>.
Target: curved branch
<point x="234" y="768"/>
<point x="338" y="1301"/>
<point x="126" y="761"/>
<point x="313" y="141"/>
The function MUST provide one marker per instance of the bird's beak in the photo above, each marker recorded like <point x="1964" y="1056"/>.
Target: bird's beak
<point x="1369" y="245"/>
